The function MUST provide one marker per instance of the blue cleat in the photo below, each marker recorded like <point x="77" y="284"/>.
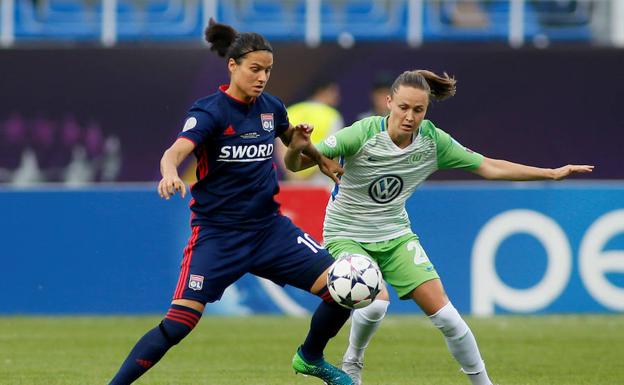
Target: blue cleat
<point x="321" y="369"/>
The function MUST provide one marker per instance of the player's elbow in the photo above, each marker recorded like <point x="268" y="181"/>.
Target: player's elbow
<point x="490" y="170"/>
<point x="293" y="166"/>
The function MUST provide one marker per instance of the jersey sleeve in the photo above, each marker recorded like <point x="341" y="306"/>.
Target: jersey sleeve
<point x="281" y="120"/>
<point x="451" y="154"/>
<point x="198" y="126"/>
<point x="345" y="142"/>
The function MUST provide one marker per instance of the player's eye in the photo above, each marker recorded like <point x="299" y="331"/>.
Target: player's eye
<point x="403" y="108"/>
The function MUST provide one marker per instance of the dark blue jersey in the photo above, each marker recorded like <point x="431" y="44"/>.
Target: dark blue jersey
<point x="234" y="144"/>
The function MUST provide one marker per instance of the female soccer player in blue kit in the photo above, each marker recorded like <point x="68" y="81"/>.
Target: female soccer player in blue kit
<point x="236" y="226"/>
<point x="385" y="160"/>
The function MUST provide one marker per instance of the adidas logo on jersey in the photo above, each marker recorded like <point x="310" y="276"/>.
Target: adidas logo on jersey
<point x="246" y="153"/>
<point x="229" y="131"/>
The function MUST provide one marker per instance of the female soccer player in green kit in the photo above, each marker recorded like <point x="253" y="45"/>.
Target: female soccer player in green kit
<point x="385" y="159"/>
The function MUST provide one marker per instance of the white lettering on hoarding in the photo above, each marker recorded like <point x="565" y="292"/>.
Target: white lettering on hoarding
<point x="488" y="291"/>
<point x="487" y="288"/>
<point x="594" y="262"/>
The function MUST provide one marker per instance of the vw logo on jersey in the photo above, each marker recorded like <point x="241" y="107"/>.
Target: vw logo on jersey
<point x="267" y="122"/>
<point x="385" y="188"/>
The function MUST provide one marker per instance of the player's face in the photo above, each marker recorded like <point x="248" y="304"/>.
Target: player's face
<point x="408" y="107"/>
<point x="252" y="74"/>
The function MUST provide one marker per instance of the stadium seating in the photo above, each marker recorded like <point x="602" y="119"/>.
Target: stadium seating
<point x="285" y="20"/>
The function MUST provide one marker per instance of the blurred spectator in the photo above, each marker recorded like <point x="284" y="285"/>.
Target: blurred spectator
<point x="464" y="13"/>
<point x="380" y="90"/>
<point x="561" y="13"/>
<point x="320" y="111"/>
<point x="43" y="149"/>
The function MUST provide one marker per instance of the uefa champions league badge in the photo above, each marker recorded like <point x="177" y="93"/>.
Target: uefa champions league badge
<point x="190" y="123"/>
<point x="331" y="141"/>
<point x="196" y="282"/>
<point x="267" y="122"/>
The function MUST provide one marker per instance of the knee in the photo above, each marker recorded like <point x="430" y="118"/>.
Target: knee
<point x="449" y="321"/>
<point x="374" y="312"/>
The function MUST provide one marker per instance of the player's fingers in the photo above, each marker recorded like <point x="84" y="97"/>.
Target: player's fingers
<point x="330" y="173"/>
<point x="584" y="168"/>
<point x="183" y="191"/>
<point x="170" y="187"/>
<point x="305" y="133"/>
<point x="304" y="128"/>
<point x="162" y="190"/>
<point x="179" y="186"/>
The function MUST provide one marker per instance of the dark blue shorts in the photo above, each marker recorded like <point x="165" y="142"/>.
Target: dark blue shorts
<point x="215" y="258"/>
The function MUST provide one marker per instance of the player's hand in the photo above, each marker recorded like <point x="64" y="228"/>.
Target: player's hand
<point x="331" y="168"/>
<point x="301" y="137"/>
<point x="565" y="171"/>
<point x="169" y="185"/>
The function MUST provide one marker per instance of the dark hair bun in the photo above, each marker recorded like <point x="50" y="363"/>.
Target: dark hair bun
<point x="220" y="37"/>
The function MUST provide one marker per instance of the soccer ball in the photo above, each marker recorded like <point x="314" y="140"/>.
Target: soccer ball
<point x="354" y="281"/>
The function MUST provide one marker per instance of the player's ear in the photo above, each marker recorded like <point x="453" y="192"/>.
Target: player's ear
<point x="388" y="100"/>
<point x="232" y="65"/>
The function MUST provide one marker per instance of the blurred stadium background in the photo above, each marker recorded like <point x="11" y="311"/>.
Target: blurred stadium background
<point x="92" y="92"/>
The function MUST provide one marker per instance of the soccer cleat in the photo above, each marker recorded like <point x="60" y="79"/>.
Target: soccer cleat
<point x="330" y="374"/>
<point x="354" y="369"/>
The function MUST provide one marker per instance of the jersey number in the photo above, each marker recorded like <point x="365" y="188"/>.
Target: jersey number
<point x="308" y="241"/>
<point x="419" y="253"/>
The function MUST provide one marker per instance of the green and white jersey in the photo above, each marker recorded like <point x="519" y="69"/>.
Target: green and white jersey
<point x="369" y="203"/>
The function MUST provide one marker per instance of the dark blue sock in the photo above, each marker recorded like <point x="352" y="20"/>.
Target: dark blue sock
<point x="176" y="325"/>
<point x="327" y="320"/>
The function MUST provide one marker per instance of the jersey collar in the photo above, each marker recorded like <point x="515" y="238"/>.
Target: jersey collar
<point x="224" y="87"/>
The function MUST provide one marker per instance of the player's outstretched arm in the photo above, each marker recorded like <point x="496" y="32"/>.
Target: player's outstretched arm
<point x="171" y="159"/>
<point x="301" y="154"/>
<point x="497" y="169"/>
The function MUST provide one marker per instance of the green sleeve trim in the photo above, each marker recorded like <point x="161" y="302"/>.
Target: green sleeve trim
<point x="348" y="141"/>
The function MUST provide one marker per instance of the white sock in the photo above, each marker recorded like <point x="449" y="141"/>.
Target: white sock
<point x="480" y="378"/>
<point x="461" y="343"/>
<point x="364" y="324"/>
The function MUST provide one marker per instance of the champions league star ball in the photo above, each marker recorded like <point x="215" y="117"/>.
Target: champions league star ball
<point x="354" y="281"/>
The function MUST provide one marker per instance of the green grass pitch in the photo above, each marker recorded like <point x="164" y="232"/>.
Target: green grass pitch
<point x="408" y="350"/>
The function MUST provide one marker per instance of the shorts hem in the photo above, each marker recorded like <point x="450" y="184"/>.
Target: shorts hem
<point x="316" y="270"/>
<point x="202" y="300"/>
<point x="413" y="287"/>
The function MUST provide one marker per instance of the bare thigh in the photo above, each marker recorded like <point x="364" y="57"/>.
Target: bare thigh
<point x="195" y="305"/>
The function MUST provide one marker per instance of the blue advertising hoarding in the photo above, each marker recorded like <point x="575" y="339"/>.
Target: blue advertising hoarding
<point x="499" y="248"/>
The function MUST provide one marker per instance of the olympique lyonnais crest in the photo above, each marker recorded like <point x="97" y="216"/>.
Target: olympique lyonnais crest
<point x="196" y="282"/>
<point x="267" y="122"/>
